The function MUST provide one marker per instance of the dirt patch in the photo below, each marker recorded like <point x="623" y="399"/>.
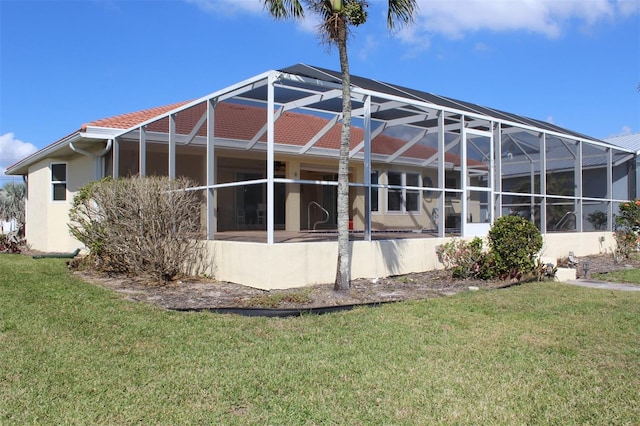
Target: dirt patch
<point x="195" y="293"/>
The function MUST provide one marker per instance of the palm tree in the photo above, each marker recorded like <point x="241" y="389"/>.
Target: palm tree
<point x="12" y="203"/>
<point x="338" y="16"/>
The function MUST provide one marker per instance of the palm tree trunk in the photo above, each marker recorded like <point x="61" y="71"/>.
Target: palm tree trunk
<point x="343" y="274"/>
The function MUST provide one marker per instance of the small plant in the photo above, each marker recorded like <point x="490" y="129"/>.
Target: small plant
<point x="545" y="271"/>
<point x="463" y="258"/>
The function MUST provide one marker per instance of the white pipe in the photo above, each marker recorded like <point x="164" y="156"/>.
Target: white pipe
<point x="96" y="156"/>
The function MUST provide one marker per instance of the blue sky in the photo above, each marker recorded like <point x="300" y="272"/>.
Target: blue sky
<point x="575" y="63"/>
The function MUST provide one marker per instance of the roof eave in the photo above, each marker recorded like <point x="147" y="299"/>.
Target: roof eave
<point x="22" y="166"/>
<point x="96" y="132"/>
<point x="87" y="132"/>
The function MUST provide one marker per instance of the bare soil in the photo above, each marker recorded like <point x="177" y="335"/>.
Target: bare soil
<point x="197" y="293"/>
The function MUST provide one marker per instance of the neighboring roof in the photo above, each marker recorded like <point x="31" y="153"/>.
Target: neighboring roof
<point x="630" y="141"/>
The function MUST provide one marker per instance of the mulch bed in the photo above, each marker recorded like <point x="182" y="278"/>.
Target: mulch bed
<point x="194" y="293"/>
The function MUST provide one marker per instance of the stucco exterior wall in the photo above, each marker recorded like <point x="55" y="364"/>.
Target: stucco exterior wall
<point x="302" y="264"/>
<point x="559" y="245"/>
<point x="38" y="200"/>
<point x="46" y="228"/>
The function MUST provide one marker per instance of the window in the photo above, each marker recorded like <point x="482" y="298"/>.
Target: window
<point x="403" y="200"/>
<point x="394" y="195"/>
<point x="59" y="181"/>
<point x="411" y="195"/>
<point x="375" y="192"/>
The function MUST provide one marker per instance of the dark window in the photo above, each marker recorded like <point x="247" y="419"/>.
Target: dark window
<point x="403" y="200"/>
<point x="412" y="196"/>
<point x="394" y="195"/>
<point x="59" y="172"/>
<point x="59" y="181"/>
<point x="374" y="191"/>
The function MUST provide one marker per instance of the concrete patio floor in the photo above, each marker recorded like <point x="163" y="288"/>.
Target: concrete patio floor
<point x="604" y="285"/>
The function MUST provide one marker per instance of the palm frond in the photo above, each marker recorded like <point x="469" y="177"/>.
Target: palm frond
<point x="284" y="9"/>
<point x="401" y="12"/>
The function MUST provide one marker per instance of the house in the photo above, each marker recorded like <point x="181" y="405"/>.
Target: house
<point x="264" y="153"/>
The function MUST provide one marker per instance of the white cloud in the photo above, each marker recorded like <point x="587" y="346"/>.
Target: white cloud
<point x="455" y="19"/>
<point x="229" y="7"/>
<point x="370" y="45"/>
<point x="13" y="150"/>
<point x="628" y="7"/>
<point x="550" y="120"/>
<point x="626" y="130"/>
<point x="549" y="18"/>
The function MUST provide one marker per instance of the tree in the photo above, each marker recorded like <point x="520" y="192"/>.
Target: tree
<point x="338" y="16"/>
<point x="12" y="204"/>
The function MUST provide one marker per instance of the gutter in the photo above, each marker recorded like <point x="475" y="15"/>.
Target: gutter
<point x="97" y="171"/>
<point x="69" y="140"/>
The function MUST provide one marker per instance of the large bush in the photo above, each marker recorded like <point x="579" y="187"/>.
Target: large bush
<point x="514" y="244"/>
<point x="139" y="225"/>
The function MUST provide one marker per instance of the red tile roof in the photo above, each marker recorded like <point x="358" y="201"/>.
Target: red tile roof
<point x="124" y="121"/>
<point x="242" y="122"/>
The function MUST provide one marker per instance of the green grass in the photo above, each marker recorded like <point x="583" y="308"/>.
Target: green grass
<point x="72" y="353"/>
<point x="631" y="276"/>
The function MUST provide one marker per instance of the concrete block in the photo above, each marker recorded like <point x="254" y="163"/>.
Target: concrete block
<point x="565" y="274"/>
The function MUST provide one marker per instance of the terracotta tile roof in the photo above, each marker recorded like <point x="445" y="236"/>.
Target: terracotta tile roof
<point x="124" y="121"/>
<point x="242" y="122"/>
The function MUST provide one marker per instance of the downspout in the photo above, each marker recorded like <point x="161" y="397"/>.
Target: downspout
<point x="96" y="156"/>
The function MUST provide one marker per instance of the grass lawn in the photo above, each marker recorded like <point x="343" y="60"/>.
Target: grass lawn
<point x="631" y="276"/>
<point x="72" y="353"/>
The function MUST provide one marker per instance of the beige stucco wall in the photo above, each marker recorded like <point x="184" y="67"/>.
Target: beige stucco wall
<point x="46" y="228"/>
<point x="38" y="200"/>
<point x="559" y="245"/>
<point x="303" y="264"/>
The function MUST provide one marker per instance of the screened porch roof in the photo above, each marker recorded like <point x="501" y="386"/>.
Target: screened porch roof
<point x="308" y="106"/>
<point x="312" y="95"/>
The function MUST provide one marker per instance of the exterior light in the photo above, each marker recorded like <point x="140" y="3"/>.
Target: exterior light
<point x="585" y="265"/>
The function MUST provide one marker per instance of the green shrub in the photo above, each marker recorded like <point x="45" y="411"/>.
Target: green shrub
<point x="514" y="243"/>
